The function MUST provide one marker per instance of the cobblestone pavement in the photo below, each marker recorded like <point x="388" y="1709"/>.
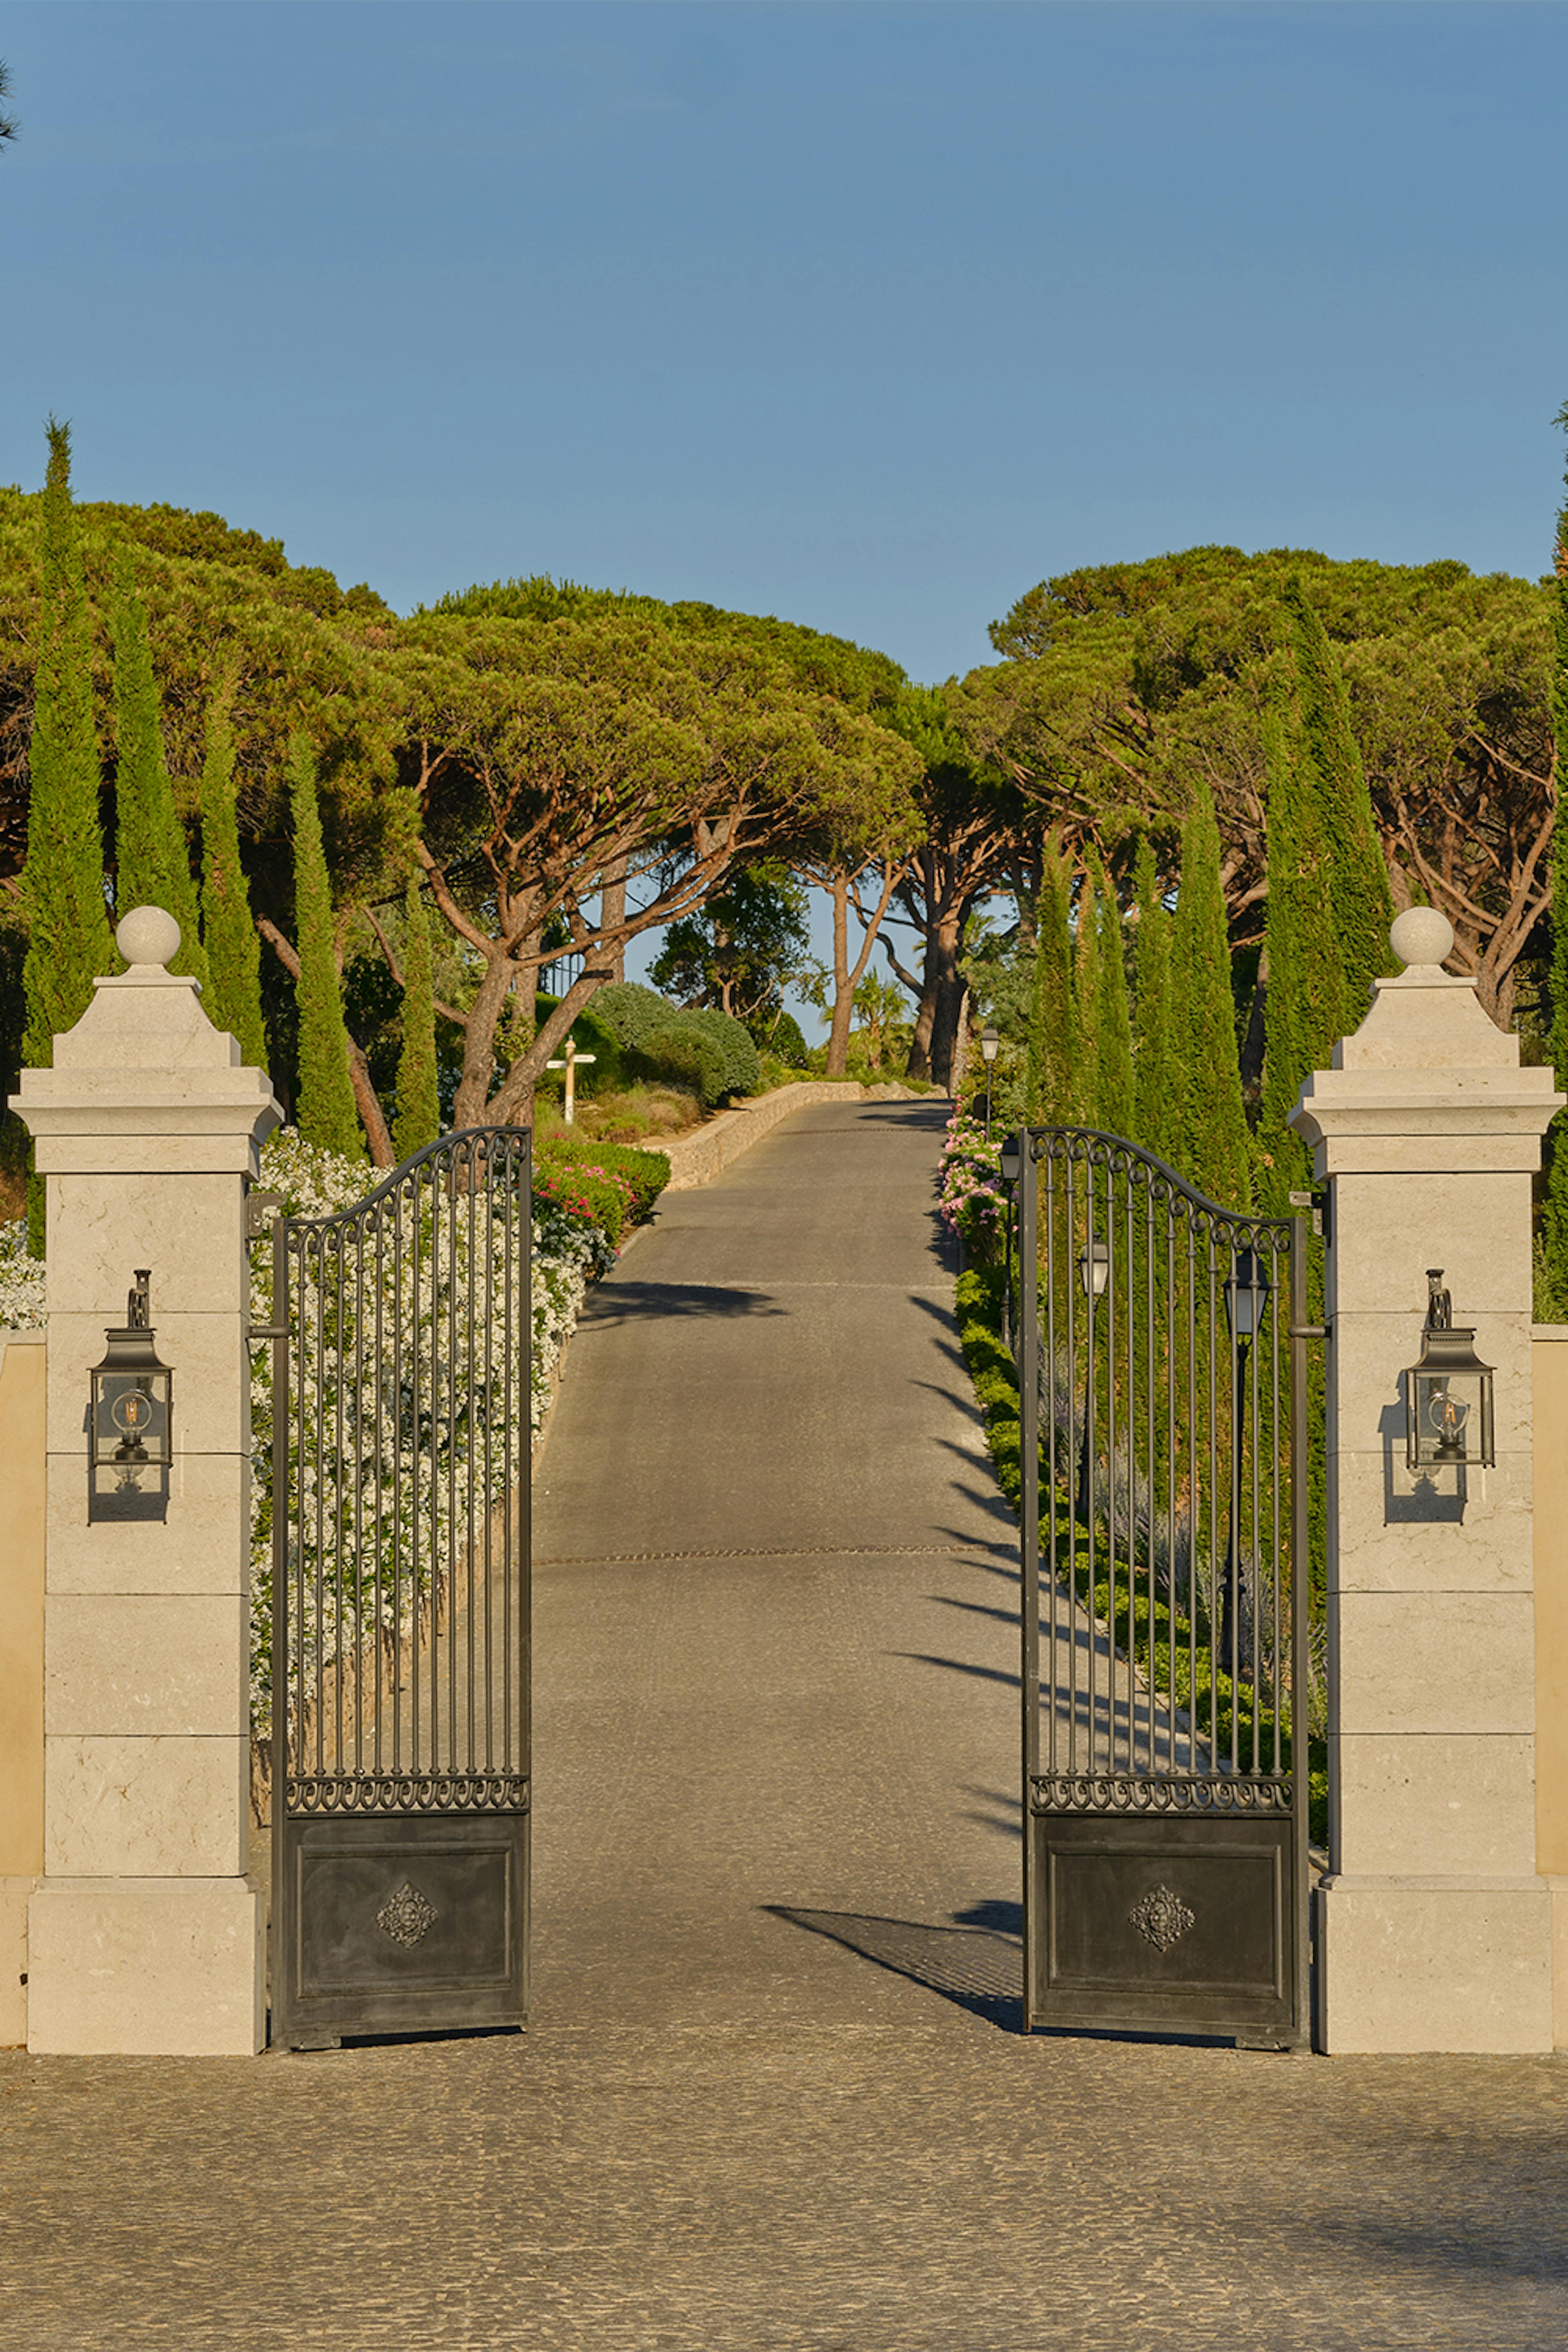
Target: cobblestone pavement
<point x="776" y="2094"/>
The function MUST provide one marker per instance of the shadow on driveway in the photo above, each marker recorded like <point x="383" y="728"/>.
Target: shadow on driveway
<point x="625" y="1302"/>
<point x="976" y="1966"/>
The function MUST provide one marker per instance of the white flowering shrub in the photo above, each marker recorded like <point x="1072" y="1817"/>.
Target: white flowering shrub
<point x="21" y="1281"/>
<point x="389" y="1478"/>
<point x="397" y="1450"/>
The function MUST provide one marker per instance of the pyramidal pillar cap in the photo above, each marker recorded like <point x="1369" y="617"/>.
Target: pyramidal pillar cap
<point x="1429" y="1084"/>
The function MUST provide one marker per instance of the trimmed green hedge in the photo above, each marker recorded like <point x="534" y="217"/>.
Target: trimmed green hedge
<point x="704" y="1050"/>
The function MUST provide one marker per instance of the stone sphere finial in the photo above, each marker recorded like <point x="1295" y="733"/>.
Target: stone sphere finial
<point x="1421" y="935"/>
<point x="147" y="935"/>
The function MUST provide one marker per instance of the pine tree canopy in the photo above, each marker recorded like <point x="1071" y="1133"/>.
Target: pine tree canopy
<point x="1123" y="683"/>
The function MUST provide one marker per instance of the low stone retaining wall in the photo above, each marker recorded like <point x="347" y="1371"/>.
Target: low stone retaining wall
<point x="698" y="1158"/>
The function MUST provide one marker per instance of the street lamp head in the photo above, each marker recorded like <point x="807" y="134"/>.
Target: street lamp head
<point x="989" y="1042"/>
<point x="1094" y="1269"/>
<point x="1246" y="1288"/>
<point x="1010" y="1160"/>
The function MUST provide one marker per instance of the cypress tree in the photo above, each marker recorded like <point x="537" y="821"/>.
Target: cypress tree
<point x="1554" y="1307"/>
<point x="1364" y="904"/>
<point x="1112" y="1020"/>
<point x="1217" y="1153"/>
<point x="418" y="1121"/>
<point x="1306" y="1010"/>
<point x="233" y="947"/>
<point x="1156" y="1088"/>
<point x="326" y="1113"/>
<point x="1050" y="1026"/>
<point x="153" y="867"/>
<point x="1085" y="995"/>
<point x="68" y="943"/>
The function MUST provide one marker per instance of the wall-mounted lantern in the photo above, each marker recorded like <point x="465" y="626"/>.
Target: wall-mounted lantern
<point x="130" y="1449"/>
<point x="1448" y="1392"/>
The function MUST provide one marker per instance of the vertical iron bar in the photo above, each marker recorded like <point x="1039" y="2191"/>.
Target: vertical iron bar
<point x="1053" y="1465"/>
<point x="1029" y="1549"/>
<point x="1300" y="1582"/>
<point x="281" y="1514"/>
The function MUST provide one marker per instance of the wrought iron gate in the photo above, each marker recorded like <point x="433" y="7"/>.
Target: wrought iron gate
<point x="400" y="1601"/>
<point x="1162" y="1375"/>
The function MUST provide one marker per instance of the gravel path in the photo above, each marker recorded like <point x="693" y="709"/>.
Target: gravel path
<point x="776" y="2094"/>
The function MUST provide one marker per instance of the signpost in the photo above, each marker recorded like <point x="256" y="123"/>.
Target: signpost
<point x="569" y="1061"/>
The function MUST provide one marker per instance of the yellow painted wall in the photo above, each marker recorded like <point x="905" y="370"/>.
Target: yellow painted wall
<point x="21" y="1662"/>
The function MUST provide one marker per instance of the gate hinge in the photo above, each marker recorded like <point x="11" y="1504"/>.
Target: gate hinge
<point x="257" y="1331"/>
<point x="1318" y="1202"/>
<point x="261" y="1215"/>
<point x="1308" y="1330"/>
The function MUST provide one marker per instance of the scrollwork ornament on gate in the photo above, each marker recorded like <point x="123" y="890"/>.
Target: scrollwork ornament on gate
<point x="406" y="1916"/>
<point x="1162" y="1918"/>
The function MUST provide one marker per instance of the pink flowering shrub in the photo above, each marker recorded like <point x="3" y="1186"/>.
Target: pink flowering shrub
<point x="972" y="1198"/>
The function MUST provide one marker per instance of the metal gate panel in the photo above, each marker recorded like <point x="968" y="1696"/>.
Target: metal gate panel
<point x="1160" y="1345"/>
<point x="401" y="1600"/>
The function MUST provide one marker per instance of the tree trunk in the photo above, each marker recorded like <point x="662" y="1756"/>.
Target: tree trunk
<point x="946" y="987"/>
<point x="612" y="914"/>
<point x="372" y="1117"/>
<point x="1253" y="1043"/>
<point x="843" y="987"/>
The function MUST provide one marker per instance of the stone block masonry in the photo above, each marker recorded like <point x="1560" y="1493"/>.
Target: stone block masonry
<point x="144" y="1935"/>
<point x="1434" y="1929"/>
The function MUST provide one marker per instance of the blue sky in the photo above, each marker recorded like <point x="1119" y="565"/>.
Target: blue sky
<point x="870" y="316"/>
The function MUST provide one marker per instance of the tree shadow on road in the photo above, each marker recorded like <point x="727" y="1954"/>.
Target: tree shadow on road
<point x="975" y="1965"/>
<point x="625" y="1302"/>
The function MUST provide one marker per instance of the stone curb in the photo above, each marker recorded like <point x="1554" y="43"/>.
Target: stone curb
<point x="698" y="1158"/>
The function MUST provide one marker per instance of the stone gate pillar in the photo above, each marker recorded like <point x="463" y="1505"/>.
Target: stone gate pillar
<point x="144" y="1934"/>
<point x="1433" y="1929"/>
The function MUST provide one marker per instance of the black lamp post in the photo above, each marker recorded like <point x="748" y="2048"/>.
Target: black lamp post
<point x="1246" y="1289"/>
<point x="1093" y="1272"/>
<point x="989" y="1042"/>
